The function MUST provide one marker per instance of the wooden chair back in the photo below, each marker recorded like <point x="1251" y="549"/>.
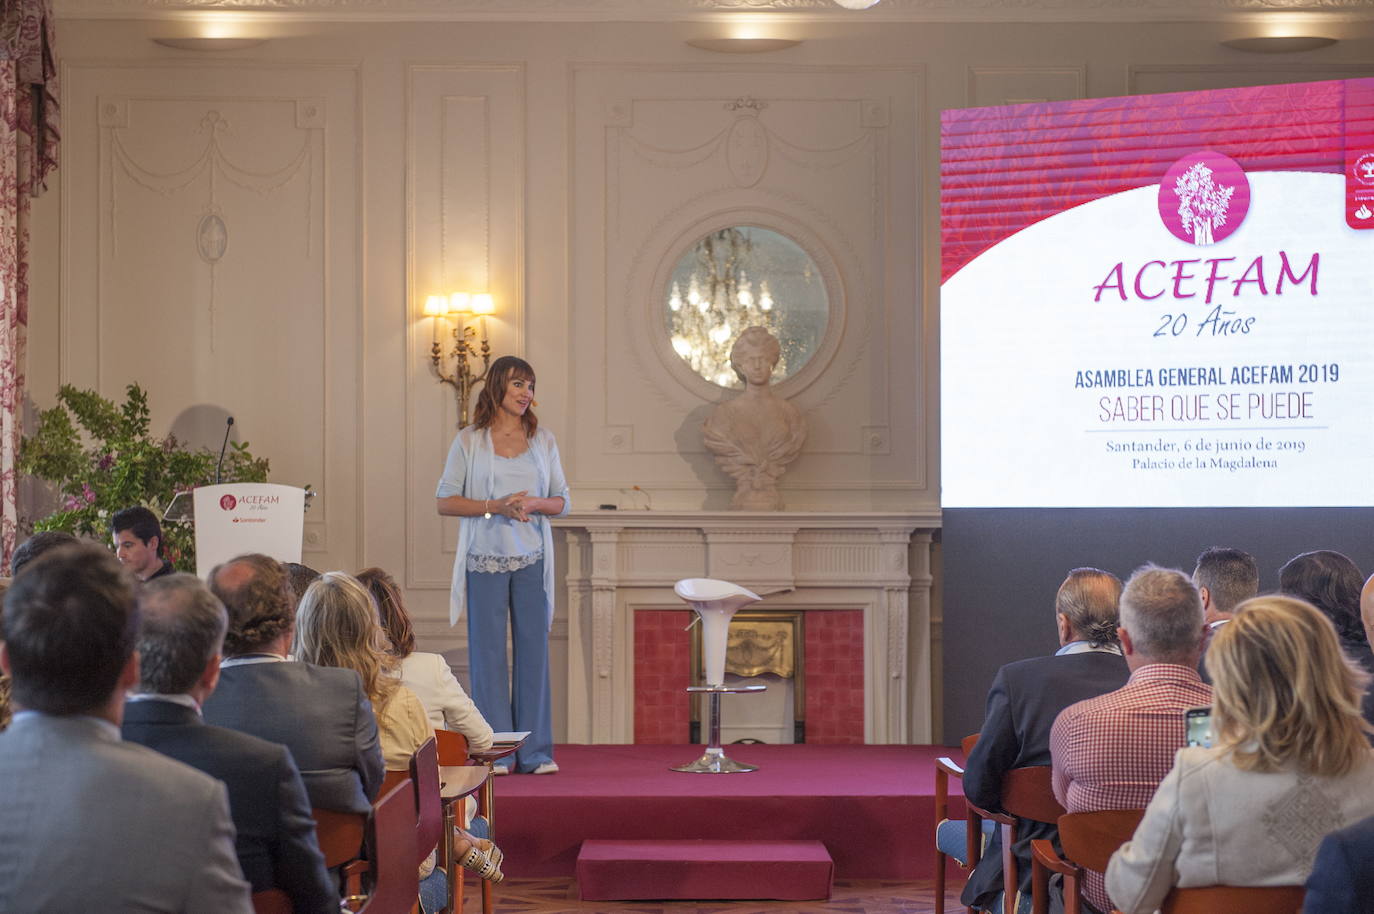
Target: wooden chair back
<point x="1229" y="899"/>
<point x="391" y="848"/>
<point x="390" y="778"/>
<point x="429" y="806"/>
<point x="945" y="768"/>
<point x="1090" y="838"/>
<point x="272" y="901"/>
<point x="1028" y="794"/>
<point x="340" y="835"/>
<point x="452" y="747"/>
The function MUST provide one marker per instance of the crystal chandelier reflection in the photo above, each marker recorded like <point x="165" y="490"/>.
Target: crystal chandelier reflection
<point x="719" y="301"/>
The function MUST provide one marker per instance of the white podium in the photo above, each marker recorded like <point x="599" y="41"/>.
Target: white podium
<point x="237" y="517"/>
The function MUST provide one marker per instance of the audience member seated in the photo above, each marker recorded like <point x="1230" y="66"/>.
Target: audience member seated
<point x="1112" y="751"/>
<point x="89" y="822"/>
<point x="302" y="576"/>
<point x="427" y="675"/>
<point x="1023" y="702"/>
<point x="138" y="543"/>
<point x="337" y="626"/>
<point x="1290" y="763"/>
<point x="1331" y="582"/>
<point x="1342" y="879"/>
<point x="4" y="680"/>
<point x="36" y="545"/>
<point x="179" y="642"/>
<point x="1224" y="579"/>
<point x="319" y="713"/>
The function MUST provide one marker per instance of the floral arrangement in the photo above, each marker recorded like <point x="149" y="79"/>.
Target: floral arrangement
<point x="100" y="458"/>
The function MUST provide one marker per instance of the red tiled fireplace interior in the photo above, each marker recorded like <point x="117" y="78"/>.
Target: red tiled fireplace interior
<point x="834" y="676"/>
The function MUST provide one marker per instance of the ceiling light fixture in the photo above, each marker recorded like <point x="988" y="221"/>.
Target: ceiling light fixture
<point x="743" y="45"/>
<point x="1279" y="44"/>
<point x="856" y="4"/>
<point x="209" y="44"/>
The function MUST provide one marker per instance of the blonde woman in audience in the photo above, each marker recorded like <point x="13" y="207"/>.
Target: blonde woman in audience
<point x="427" y="675"/>
<point x="1290" y="745"/>
<point x="337" y="625"/>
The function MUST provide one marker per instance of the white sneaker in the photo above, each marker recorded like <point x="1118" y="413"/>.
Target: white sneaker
<point x="546" y="768"/>
<point x="500" y="769"/>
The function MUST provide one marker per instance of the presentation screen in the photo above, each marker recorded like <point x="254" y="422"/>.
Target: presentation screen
<point x="1160" y="301"/>
<point x="1155" y="338"/>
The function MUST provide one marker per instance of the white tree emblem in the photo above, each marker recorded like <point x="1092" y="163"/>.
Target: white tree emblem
<point x="1202" y="203"/>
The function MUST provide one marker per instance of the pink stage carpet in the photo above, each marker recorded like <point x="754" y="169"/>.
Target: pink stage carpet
<point x="872" y="806"/>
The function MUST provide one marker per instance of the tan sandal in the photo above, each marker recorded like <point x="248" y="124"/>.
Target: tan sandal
<point x="478" y="863"/>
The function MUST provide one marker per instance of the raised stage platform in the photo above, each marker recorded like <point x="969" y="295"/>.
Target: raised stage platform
<point x="872" y="806"/>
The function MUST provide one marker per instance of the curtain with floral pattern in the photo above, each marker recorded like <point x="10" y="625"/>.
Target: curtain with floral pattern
<point x="28" y="154"/>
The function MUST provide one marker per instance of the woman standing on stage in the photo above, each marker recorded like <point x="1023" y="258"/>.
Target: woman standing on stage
<point x="504" y="478"/>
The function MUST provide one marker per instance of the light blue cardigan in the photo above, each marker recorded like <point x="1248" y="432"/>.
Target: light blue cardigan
<point x="470" y="471"/>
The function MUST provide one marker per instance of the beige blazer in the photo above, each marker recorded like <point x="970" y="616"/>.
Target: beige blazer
<point x="1210" y="823"/>
<point x="448" y="706"/>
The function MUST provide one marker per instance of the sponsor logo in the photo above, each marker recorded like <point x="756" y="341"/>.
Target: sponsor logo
<point x="228" y="502"/>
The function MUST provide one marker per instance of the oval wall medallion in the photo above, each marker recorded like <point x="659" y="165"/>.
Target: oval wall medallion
<point x="746" y="151"/>
<point x="212" y="238"/>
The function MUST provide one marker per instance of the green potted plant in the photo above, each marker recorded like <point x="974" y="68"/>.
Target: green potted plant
<point x="100" y="457"/>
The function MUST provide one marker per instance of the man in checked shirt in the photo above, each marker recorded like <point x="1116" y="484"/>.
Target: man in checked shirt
<point x="1112" y="751"/>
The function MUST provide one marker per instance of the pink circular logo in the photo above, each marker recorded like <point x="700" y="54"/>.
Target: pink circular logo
<point x="228" y="502"/>
<point x="1204" y="197"/>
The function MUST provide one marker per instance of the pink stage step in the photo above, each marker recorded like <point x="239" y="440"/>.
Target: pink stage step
<point x="702" y="869"/>
<point x="872" y="806"/>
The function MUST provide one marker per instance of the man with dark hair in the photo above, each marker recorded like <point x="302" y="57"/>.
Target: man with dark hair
<point x="38" y="544"/>
<point x="138" y="542"/>
<point x="1022" y="704"/>
<point x="88" y="822"/>
<point x="179" y="642"/>
<point x="1111" y="752"/>
<point x="320" y="713"/>
<point x="1224" y="578"/>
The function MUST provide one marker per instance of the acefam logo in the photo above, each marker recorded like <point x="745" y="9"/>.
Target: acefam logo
<point x="228" y="502"/>
<point x="1204" y="197"/>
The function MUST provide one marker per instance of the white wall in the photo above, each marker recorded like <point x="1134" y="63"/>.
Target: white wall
<point x="359" y="166"/>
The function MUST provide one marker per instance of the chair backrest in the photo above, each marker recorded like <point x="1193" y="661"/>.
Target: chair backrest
<point x="1230" y="899"/>
<point x="390" y="778"/>
<point x="967" y="743"/>
<point x="391" y="848"/>
<point x="1090" y="838"/>
<point x="272" y="901"/>
<point x="340" y="835"/>
<point x="452" y="747"/>
<point x="1028" y="794"/>
<point x="429" y="807"/>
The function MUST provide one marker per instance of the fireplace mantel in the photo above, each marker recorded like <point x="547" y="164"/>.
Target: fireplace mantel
<point x="621" y="562"/>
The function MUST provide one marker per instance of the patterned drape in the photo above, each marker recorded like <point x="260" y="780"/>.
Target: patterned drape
<point x="28" y="154"/>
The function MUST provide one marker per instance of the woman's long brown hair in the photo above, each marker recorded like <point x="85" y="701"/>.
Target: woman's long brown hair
<point x="494" y="391"/>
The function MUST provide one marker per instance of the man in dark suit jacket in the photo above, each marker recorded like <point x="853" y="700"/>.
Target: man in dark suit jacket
<point x="89" y="822"/>
<point x="320" y="713"/>
<point x="179" y="641"/>
<point x="1023" y="702"/>
<point x="1342" y="879"/>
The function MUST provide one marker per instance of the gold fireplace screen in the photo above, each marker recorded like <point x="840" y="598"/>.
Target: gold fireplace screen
<point x="759" y="642"/>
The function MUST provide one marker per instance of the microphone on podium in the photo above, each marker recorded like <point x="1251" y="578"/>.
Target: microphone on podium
<point x="228" y="425"/>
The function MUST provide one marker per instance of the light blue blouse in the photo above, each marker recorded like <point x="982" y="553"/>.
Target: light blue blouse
<point x="501" y="543"/>
<point x="470" y="471"/>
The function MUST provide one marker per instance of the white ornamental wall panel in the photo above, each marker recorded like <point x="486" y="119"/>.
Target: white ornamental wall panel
<point x="465" y="191"/>
<point x="662" y="156"/>
<point x="211" y="252"/>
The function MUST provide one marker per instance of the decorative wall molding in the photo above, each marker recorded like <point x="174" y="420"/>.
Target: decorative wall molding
<point x="629" y="561"/>
<point x="709" y="10"/>
<point x="1015" y="85"/>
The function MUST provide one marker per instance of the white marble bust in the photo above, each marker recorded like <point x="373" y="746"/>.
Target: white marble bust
<point x="757" y="434"/>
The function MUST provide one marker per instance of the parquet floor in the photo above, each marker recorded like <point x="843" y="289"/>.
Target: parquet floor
<point x="554" y="896"/>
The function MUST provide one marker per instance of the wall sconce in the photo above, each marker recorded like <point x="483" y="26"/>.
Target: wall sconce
<point x="468" y="343"/>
